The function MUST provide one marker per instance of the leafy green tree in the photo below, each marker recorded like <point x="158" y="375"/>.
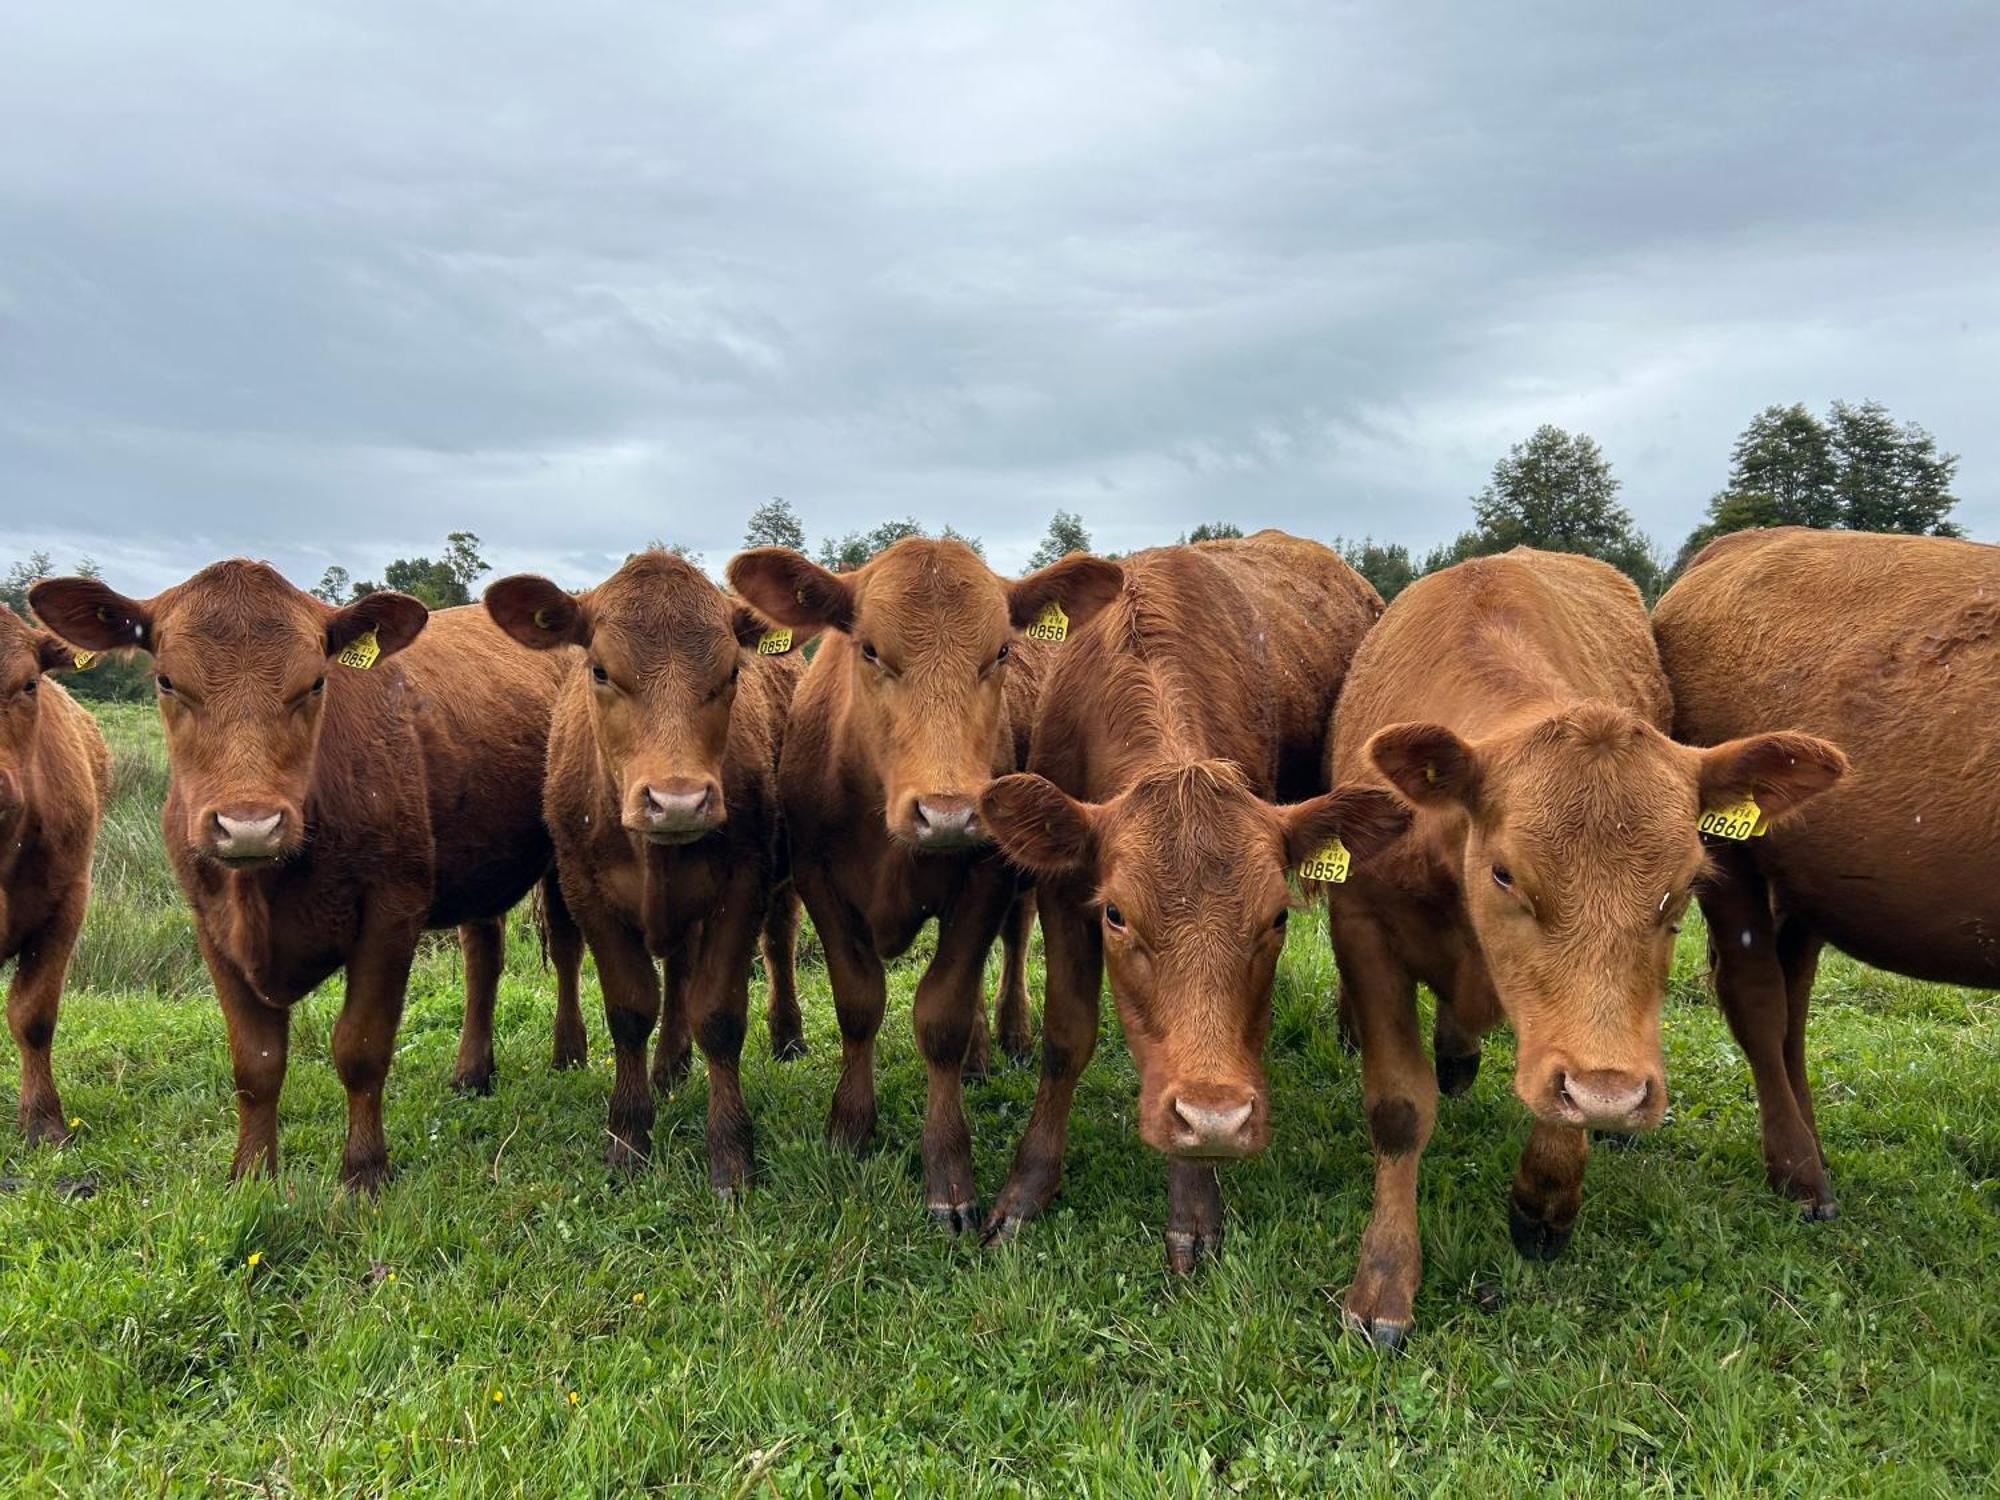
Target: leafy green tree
<point x="1213" y="531"/>
<point x="953" y="534"/>
<point x="775" y="524"/>
<point x="1065" y="535"/>
<point x="1892" y="477"/>
<point x="335" y="586"/>
<point x="440" y="582"/>
<point x="854" y="549"/>
<point x="19" y="577"/>
<point x="1386" y="565"/>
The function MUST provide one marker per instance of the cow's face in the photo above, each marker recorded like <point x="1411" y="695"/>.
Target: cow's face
<point x="662" y="650"/>
<point x="1580" y="854"/>
<point x="242" y="660"/>
<point x="1189" y="870"/>
<point x="27" y="655"/>
<point x="925" y="630"/>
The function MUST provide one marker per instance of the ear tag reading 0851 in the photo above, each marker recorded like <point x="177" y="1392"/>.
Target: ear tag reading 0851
<point x="82" y="660"/>
<point x="1050" y="625"/>
<point x="1740" y="820"/>
<point x="1329" y="865"/>
<point x="361" y="652"/>
<point x="775" y="641"/>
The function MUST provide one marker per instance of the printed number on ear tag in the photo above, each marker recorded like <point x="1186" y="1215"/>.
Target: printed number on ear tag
<point x="775" y="642"/>
<point x="1050" y="625"/>
<point x="1739" y="820"/>
<point x="82" y="660"/>
<point x="1329" y="866"/>
<point x="361" y="652"/>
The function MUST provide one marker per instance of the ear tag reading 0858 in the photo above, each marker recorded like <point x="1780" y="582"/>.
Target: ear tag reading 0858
<point x="82" y="660"/>
<point x="361" y="652"/>
<point x="1050" y="625"/>
<point x="775" y="641"/>
<point x="1740" y="820"/>
<point x="1329" y="865"/>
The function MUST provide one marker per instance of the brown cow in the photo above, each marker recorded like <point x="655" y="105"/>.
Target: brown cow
<point x="1889" y="645"/>
<point x="1203" y="691"/>
<point x="663" y="801"/>
<point x="917" y="701"/>
<point x="1518" y="702"/>
<point x="338" y="784"/>
<point x="54" y="777"/>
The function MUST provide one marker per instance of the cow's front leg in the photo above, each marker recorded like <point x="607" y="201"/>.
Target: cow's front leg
<point x="949" y="1002"/>
<point x="629" y="975"/>
<point x="860" y="990"/>
<point x="484" y="944"/>
<point x="1548" y="1190"/>
<point x="1194" y="1214"/>
<point x="364" y="1041"/>
<point x="718" y="1011"/>
<point x="259" y="1036"/>
<point x="32" y="1002"/>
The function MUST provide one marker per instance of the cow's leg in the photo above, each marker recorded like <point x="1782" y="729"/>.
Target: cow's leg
<point x="630" y="978"/>
<point x="1548" y="1190"/>
<point x="565" y="939"/>
<point x="484" y="944"/>
<point x="32" y="1002"/>
<point x="854" y="971"/>
<point x="949" y="997"/>
<point x="364" y="1041"/>
<point x="1012" y="1011"/>
<point x="1073" y="964"/>
<point x="1750" y="984"/>
<point x="1194" y="1213"/>
<point x="718" y="1011"/>
<point x="673" y="1053"/>
<point x="781" y="974"/>
<point x="1464" y="1015"/>
<point x="1798" y="955"/>
<point x="1399" y="1089"/>
<point x="259" y="1036"/>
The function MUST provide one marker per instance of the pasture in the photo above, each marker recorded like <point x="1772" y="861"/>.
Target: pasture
<point x="504" y="1320"/>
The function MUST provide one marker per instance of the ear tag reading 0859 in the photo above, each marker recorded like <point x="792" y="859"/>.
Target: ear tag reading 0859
<point x="82" y="660"/>
<point x="1740" y="820"/>
<point x="1329" y="865"/>
<point x="775" y="641"/>
<point x="361" y="652"/>
<point x="1050" y="625"/>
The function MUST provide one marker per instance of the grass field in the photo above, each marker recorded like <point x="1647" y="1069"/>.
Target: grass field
<point x="504" y="1320"/>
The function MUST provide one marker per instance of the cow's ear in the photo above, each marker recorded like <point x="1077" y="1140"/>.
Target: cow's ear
<point x="536" y="612"/>
<point x="86" y="613"/>
<point x="792" y="589"/>
<point x="1367" y="819"/>
<point x="1427" y="763"/>
<point x="52" y="652"/>
<point x="1782" y="771"/>
<point x="1080" y="583"/>
<point x="755" y="633"/>
<point x="1037" y="825"/>
<point x="396" y="619"/>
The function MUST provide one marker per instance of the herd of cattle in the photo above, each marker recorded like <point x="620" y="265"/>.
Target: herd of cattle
<point x="1508" y="785"/>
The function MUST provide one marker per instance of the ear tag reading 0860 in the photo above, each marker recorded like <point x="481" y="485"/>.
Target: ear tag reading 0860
<point x="1329" y="865"/>
<point x="775" y="641"/>
<point x="361" y="652"/>
<point x="1740" y="820"/>
<point x="82" y="660"/>
<point x="1050" y="625"/>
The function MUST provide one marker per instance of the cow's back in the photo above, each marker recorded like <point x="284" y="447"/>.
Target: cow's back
<point x="1888" y="646"/>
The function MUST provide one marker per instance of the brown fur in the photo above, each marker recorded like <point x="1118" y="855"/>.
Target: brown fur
<point x="409" y="796"/>
<point x="939" y="711"/>
<point x="686" y="707"/>
<point x="1164" y="731"/>
<point x="54" y="777"/>
<point x="1518" y="702"/>
<point x="1890" y="646"/>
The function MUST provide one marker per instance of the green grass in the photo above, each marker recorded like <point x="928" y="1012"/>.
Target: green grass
<point x="824" y="1339"/>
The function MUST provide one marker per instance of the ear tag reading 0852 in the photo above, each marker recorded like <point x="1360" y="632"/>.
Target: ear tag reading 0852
<point x="1740" y="820"/>
<point x="361" y="652"/>
<point x="1329" y="865"/>
<point x="82" y="660"/>
<point x="1050" y="625"/>
<point x="775" y="641"/>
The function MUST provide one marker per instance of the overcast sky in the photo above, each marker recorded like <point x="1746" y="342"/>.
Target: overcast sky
<point x="320" y="283"/>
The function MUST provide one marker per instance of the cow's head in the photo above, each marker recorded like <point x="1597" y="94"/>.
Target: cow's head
<point x="925" y="628"/>
<point x="662" y="650"/>
<point x="1189" y="869"/>
<point x="242" y="661"/>
<point x="1580" y="852"/>
<point x="26" y="656"/>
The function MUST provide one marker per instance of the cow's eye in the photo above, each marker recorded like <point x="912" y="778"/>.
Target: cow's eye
<point x="1279" y="922"/>
<point x="319" y="686"/>
<point x="31" y="685"/>
<point x="734" y="673"/>
<point x="1006" y="651"/>
<point x="1503" y="877"/>
<point x="868" y="654"/>
<point x="598" y="674"/>
<point x="1114" y="919"/>
<point x="164" y="683"/>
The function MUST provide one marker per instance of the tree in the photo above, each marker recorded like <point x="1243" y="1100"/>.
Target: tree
<point x="678" y="549"/>
<point x="1213" y="531"/>
<point x="335" y="586"/>
<point x="1065" y="535"/>
<point x="854" y="549"/>
<point x="439" y="582"/>
<point x="463" y="562"/>
<point x="14" y="586"/>
<point x="953" y="534"/>
<point x="1386" y="565"/>
<point x="1892" y="478"/>
<point x="775" y="524"/>
<point x="1556" y="491"/>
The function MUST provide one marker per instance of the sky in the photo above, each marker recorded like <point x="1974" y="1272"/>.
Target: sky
<point x="320" y="283"/>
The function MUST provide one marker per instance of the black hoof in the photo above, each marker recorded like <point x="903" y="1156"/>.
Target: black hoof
<point x="788" y="1049"/>
<point x="959" y="1218"/>
<point x="1385" y="1334"/>
<point x="1534" y="1238"/>
<point x="1188" y="1249"/>
<point x="1001" y="1229"/>
<point x="1819" y="1213"/>
<point x="1455" y="1074"/>
<point x="474" y="1085"/>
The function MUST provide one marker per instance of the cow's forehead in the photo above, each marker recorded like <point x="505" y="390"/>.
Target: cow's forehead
<point x="1192" y="836"/>
<point x="919" y="591"/>
<point x="1577" y="809"/>
<point x="660" y="598"/>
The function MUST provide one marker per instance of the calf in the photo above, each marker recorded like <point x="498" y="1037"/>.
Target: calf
<point x="662" y="798"/>
<point x="54" y="777"/>
<point x="1889" y="645"/>
<point x="1163" y="730"/>
<point x="918" y="698"/>
<point x="337" y="784"/>
<point x="1518" y="703"/>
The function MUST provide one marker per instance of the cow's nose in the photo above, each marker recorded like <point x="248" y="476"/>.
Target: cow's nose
<point x="247" y="833"/>
<point x="681" y="805"/>
<point x="947" y="821"/>
<point x="1207" y="1128"/>
<point x="1604" y="1099"/>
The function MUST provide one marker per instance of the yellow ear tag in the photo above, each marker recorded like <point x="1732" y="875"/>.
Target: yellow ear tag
<point x="1050" y="625"/>
<point x="1740" y="820"/>
<point x="361" y="652"/>
<point x="82" y="660"/>
<point x="1329" y="865"/>
<point x="775" y="641"/>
